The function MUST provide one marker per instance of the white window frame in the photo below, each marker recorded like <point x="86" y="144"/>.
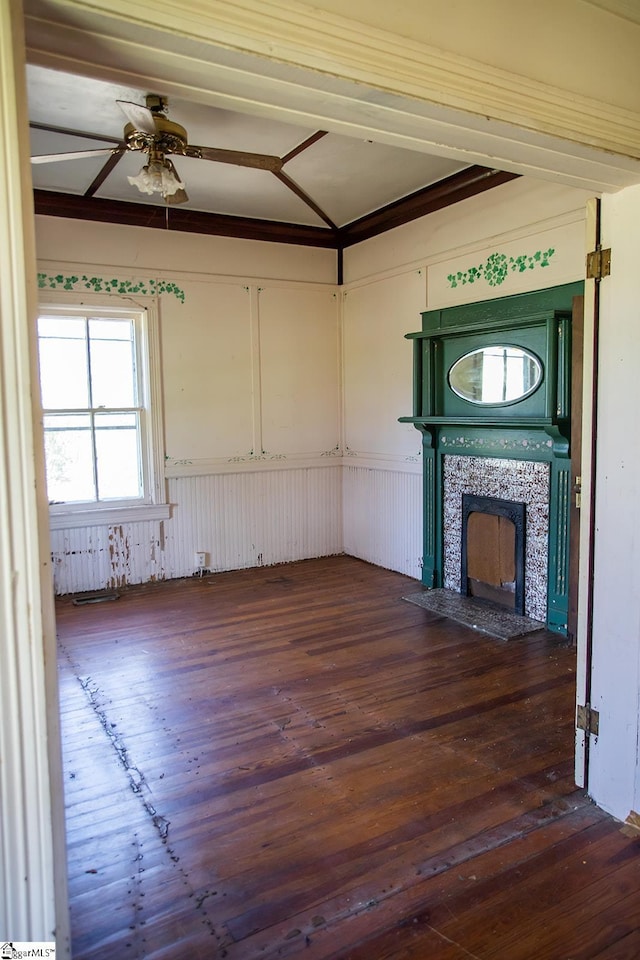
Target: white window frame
<point x="153" y="505"/>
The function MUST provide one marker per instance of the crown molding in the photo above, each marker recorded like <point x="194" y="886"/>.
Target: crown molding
<point x="460" y="186"/>
<point x="298" y="35"/>
<point x="51" y="204"/>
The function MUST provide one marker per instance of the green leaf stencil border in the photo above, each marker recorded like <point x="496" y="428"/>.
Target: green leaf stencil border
<point x="146" y="288"/>
<point x="497" y="267"/>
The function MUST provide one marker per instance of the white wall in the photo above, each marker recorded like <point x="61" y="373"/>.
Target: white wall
<point x="614" y="779"/>
<point x="390" y="280"/>
<point x="250" y="355"/>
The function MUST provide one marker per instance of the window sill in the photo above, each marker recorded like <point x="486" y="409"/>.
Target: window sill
<point x="108" y="516"/>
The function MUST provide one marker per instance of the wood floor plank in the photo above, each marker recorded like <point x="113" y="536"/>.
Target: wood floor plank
<point x="294" y="762"/>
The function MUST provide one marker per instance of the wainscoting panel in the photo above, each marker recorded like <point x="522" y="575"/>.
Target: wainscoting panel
<point x="106" y="557"/>
<point x="383" y="517"/>
<point x="250" y="519"/>
<point x="239" y="520"/>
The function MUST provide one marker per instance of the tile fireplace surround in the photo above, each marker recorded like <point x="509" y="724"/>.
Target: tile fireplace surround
<point x="522" y="481"/>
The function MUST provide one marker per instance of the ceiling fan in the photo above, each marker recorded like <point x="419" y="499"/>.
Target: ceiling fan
<point x="149" y="131"/>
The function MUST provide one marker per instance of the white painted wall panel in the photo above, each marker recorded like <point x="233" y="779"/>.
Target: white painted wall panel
<point x="299" y="370"/>
<point x="142" y="248"/>
<point x="378" y="364"/>
<point x="546" y="255"/>
<point x="207" y="371"/>
<point x="516" y="209"/>
<point x="382" y="512"/>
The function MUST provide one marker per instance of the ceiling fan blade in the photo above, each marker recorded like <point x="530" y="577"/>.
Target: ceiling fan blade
<point x="50" y="128"/>
<point x="180" y="196"/>
<point x="260" y="161"/>
<point x="74" y="155"/>
<point x="141" y="117"/>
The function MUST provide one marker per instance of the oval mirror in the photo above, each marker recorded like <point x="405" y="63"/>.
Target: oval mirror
<point x="495" y="375"/>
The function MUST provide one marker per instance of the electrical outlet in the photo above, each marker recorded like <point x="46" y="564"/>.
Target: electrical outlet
<point x="201" y="559"/>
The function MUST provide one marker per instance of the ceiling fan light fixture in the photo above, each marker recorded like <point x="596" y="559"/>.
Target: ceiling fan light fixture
<point x="157" y="176"/>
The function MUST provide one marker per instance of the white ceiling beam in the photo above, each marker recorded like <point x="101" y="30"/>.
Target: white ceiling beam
<point x="291" y="62"/>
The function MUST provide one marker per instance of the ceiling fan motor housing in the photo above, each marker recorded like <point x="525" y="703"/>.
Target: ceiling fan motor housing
<point x="169" y="137"/>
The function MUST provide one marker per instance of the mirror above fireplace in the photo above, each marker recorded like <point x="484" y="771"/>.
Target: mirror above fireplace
<point x="495" y="375"/>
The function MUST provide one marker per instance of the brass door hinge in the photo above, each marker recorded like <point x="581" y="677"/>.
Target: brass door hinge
<point x="598" y="263"/>
<point x="577" y="489"/>
<point x="588" y="719"/>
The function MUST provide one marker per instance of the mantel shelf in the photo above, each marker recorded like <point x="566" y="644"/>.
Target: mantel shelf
<point x="499" y="422"/>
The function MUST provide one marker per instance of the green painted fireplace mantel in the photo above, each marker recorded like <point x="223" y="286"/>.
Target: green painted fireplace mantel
<point x="536" y="427"/>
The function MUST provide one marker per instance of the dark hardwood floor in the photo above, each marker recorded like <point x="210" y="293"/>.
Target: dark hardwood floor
<point x="294" y="762"/>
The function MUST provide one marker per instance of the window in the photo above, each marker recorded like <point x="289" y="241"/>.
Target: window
<point x="102" y="434"/>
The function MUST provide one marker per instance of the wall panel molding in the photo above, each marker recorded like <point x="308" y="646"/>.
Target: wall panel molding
<point x="269" y="463"/>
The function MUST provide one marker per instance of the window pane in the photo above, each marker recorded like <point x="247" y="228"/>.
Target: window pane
<point x="100" y="329"/>
<point x="68" y="327"/>
<point x="69" y="458"/>
<point x="63" y="363"/>
<point x="117" y="456"/>
<point x="112" y="380"/>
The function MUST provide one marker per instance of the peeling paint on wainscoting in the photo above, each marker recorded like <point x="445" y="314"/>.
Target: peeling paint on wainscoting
<point x="107" y="557"/>
<point x="119" y="558"/>
<point x="148" y="288"/>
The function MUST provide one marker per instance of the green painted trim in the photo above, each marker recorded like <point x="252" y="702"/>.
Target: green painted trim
<point x="432" y="496"/>
<point x="489" y="442"/>
<point x="563" y="386"/>
<point x="147" y="288"/>
<point x="512" y="309"/>
<point x="497" y="267"/>
<point x="558" y="556"/>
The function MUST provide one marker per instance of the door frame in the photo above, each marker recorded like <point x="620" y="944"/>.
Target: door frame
<point x="586" y="514"/>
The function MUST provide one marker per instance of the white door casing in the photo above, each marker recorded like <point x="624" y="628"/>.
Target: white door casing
<point x="33" y="904"/>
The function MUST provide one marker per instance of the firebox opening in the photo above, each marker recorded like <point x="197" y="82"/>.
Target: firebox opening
<point x="492" y="551"/>
<point x="491" y="558"/>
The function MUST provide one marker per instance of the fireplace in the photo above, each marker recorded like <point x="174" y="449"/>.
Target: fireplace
<point x="492" y="550"/>
<point x="492" y="400"/>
